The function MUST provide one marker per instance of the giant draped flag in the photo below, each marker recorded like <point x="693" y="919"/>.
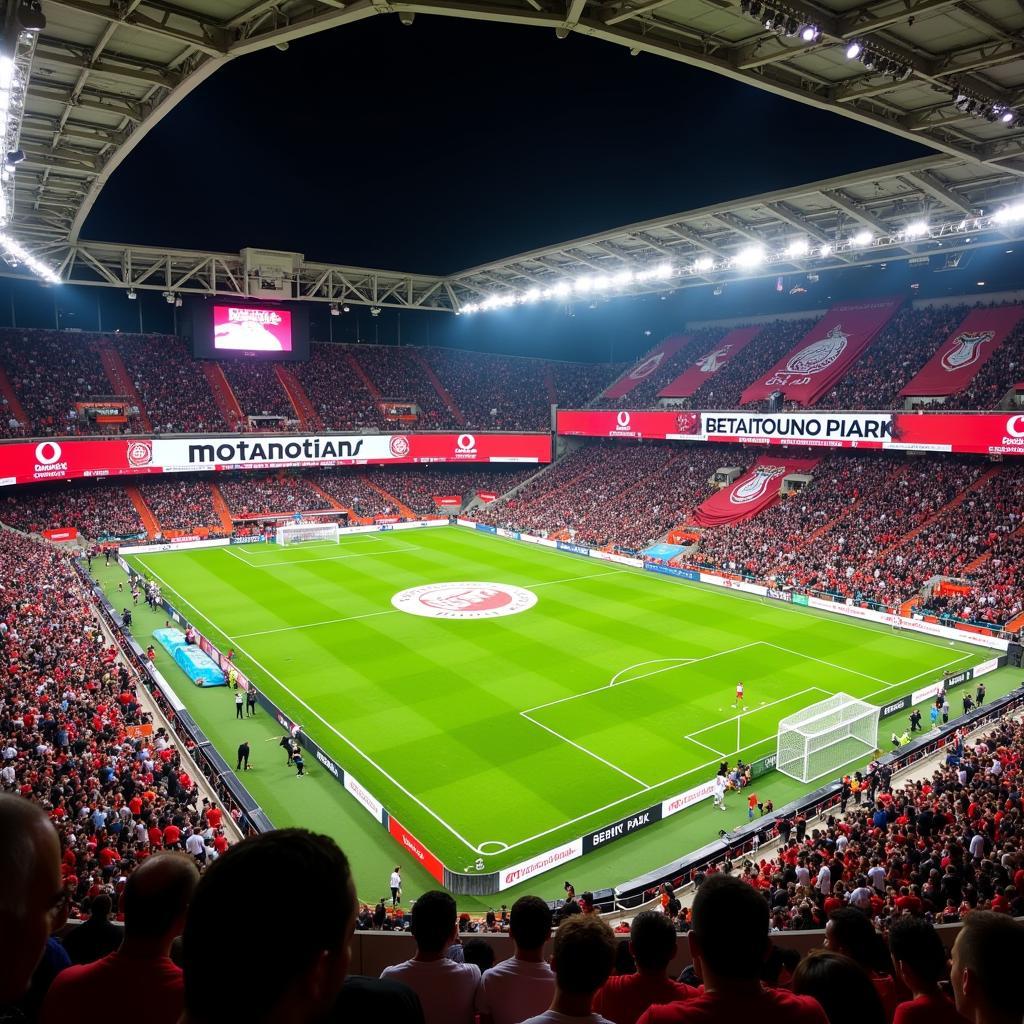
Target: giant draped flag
<point x="648" y="365"/>
<point x="965" y="351"/>
<point x="752" y="493"/>
<point x="709" y="363"/>
<point x="825" y="352"/>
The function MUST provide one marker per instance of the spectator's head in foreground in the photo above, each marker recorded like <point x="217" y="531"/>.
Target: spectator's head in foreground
<point x="987" y="957"/>
<point x="841" y="986"/>
<point x="435" y="924"/>
<point x="583" y="957"/>
<point x="530" y="926"/>
<point x="849" y="931"/>
<point x="295" y="947"/>
<point x="652" y="941"/>
<point x="918" y="956"/>
<point x="728" y="932"/>
<point x="156" y="900"/>
<point x="31" y="893"/>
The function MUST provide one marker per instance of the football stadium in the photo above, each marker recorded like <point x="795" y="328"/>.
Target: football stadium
<point x="614" y="616"/>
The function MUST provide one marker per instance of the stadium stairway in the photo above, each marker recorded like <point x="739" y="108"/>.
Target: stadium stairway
<point x="549" y="385"/>
<point x="334" y="503"/>
<point x="17" y="410"/>
<point x="306" y="413"/>
<point x="435" y="381"/>
<point x="121" y="380"/>
<point x="223" y="396"/>
<point x="149" y="521"/>
<point x="956" y="502"/>
<point x="223" y="512"/>
<point x="403" y="509"/>
<point x="359" y="370"/>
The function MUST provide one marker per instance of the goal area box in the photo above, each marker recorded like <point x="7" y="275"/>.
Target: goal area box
<point x="825" y="736"/>
<point x="299" y="533"/>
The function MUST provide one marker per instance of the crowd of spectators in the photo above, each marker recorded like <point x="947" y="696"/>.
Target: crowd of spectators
<point x="96" y="509"/>
<point x="253" y="494"/>
<point x="1003" y="369"/>
<point x="399" y="376"/>
<point x="50" y="371"/>
<point x="170" y="382"/>
<point x="337" y="392"/>
<point x="351" y="491"/>
<point x="257" y="388"/>
<point x="645" y="394"/>
<point x="417" y="488"/>
<point x="179" y="503"/>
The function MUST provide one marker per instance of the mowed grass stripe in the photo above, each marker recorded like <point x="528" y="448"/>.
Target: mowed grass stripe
<point x="437" y="703"/>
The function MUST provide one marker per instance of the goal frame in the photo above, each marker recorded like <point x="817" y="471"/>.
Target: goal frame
<point x="841" y="724"/>
<point x="314" y="532"/>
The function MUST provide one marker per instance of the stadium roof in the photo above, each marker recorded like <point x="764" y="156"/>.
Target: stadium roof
<point x="941" y="72"/>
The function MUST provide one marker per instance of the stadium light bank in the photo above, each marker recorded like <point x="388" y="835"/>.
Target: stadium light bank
<point x="755" y="256"/>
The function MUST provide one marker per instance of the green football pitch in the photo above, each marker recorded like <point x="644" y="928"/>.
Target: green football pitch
<point x="496" y="739"/>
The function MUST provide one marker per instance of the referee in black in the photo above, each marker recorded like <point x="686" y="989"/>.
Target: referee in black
<point x="243" y="755"/>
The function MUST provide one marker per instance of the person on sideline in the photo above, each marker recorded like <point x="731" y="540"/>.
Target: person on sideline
<point x="243" y="755"/>
<point x="295" y="950"/>
<point x="584" y="955"/>
<point x="396" y="885"/>
<point x="524" y="984"/>
<point x="140" y="971"/>
<point x="447" y="990"/>
<point x="729" y="944"/>
<point x="987" y="955"/>
<point x="919" y="960"/>
<point x="652" y="942"/>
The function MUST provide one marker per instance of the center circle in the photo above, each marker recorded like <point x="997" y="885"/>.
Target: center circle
<point x="464" y="600"/>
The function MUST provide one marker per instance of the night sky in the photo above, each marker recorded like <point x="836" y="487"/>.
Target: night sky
<point x="450" y="143"/>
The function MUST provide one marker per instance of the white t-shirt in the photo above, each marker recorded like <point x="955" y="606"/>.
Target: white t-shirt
<point x="554" y="1017"/>
<point x="877" y="876"/>
<point x="447" y="990"/>
<point x="515" y="989"/>
<point x="824" y="880"/>
<point x="719" y="785"/>
<point x="396" y="880"/>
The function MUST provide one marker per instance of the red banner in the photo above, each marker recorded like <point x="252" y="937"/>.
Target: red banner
<point x="825" y="353"/>
<point x="51" y="459"/>
<point x="426" y="859"/>
<point x="755" y="491"/>
<point x="965" y="352"/>
<point x="62" y="533"/>
<point x="648" y="365"/>
<point x="985" y="433"/>
<point x="487" y="496"/>
<point x="448" y="500"/>
<point x="710" y="363"/>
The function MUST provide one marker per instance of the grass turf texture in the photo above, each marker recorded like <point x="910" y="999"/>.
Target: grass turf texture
<point x="428" y="714"/>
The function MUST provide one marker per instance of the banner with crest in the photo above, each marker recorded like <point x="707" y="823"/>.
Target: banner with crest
<point x="720" y="353"/>
<point x="649" y="364"/>
<point x="964" y="352"/>
<point x="752" y="493"/>
<point x="825" y="353"/>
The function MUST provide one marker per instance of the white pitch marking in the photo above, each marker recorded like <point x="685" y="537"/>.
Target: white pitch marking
<point x="675" y="663"/>
<point x="325" y="622"/>
<point x="735" y="718"/>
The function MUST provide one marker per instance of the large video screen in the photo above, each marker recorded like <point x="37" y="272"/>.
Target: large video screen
<point x="239" y="330"/>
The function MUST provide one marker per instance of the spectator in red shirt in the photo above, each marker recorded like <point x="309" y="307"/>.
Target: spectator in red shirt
<point x="985" y="974"/>
<point x="214" y="816"/>
<point x="729" y="944"/>
<point x="141" y="972"/>
<point x="840" y="986"/>
<point x="623" y="997"/>
<point x="851" y="933"/>
<point x="920" y="962"/>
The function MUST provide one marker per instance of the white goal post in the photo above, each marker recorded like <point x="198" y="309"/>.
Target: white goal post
<point x="297" y="533"/>
<point x="826" y="736"/>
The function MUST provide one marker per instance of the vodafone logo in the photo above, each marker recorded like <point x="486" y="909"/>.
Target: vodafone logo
<point x="1014" y="426"/>
<point x="465" y="444"/>
<point x="399" y="446"/>
<point x="622" y="420"/>
<point x="473" y="600"/>
<point x="47" y="453"/>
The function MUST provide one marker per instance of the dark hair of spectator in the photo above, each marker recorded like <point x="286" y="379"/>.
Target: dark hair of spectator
<point x="841" y="986"/>
<point x="730" y="922"/>
<point x="433" y="921"/>
<point x="914" y="942"/>
<point x="584" y="954"/>
<point x="991" y="946"/>
<point x="653" y="939"/>
<point x="530" y="922"/>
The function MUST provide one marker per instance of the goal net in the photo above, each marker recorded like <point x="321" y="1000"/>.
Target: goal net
<point x="825" y="736"/>
<point x="298" y="533"/>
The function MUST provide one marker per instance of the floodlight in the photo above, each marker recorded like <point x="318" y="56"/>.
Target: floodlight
<point x="703" y="263"/>
<point x="917" y="228"/>
<point x="132" y="294"/>
<point x="798" y="247"/>
<point x="853" y="51"/>
<point x="862" y="238"/>
<point x="809" y="33"/>
<point x="663" y="271"/>
<point x="562" y="289"/>
<point x="623" y="278"/>
<point x="751" y="256"/>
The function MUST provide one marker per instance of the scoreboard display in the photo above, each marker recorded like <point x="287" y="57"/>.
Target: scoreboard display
<point x="244" y="330"/>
